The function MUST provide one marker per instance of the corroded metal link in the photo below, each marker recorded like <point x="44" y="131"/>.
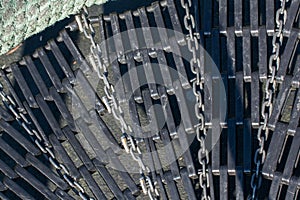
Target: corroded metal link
<point x="267" y="105"/>
<point x="113" y="107"/>
<point x="198" y="90"/>
<point x="44" y="146"/>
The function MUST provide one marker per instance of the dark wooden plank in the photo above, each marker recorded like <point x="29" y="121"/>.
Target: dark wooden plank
<point x="292" y="190"/>
<point x="5" y="115"/>
<point x="62" y="61"/>
<point x="50" y="117"/>
<point x="217" y="100"/>
<point x="13" y="153"/>
<point x="247" y="146"/>
<point x="164" y="39"/>
<point x="238" y="17"/>
<point x="128" y="195"/>
<point x="262" y="56"/>
<point x="108" y="179"/>
<point x="291" y="158"/>
<point x="15" y="188"/>
<point x="167" y="111"/>
<point x="41" y="54"/>
<point x="185" y="145"/>
<point x="215" y="154"/>
<point x="231" y="61"/>
<point x="94" y="187"/>
<point x="292" y="14"/>
<point x="102" y="38"/>
<point x="134" y="53"/>
<point x="36" y="123"/>
<point x="287" y="56"/>
<point x="2" y="188"/>
<point x="62" y="155"/>
<point x="295" y="115"/>
<point x="296" y="74"/>
<point x="270" y="16"/>
<point x="279" y="102"/>
<point x="117" y="37"/>
<point x="46" y="171"/>
<point x="239" y="184"/>
<point x="255" y="103"/>
<point x="208" y="106"/>
<point x="202" y="55"/>
<point x="175" y="22"/>
<point x="150" y="161"/>
<point x="120" y="84"/>
<point x="135" y="120"/>
<point x="223" y="183"/>
<point x="231" y="146"/>
<point x="148" y="70"/>
<point x="134" y="78"/>
<point x="77" y="104"/>
<point x="171" y="186"/>
<point x="122" y="171"/>
<point x="254" y="17"/>
<point x="74" y="51"/>
<point x="78" y="148"/>
<point x="163" y="193"/>
<point x="36" y="77"/>
<point x="274" y="149"/>
<point x="61" y="105"/>
<point x="215" y="50"/>
<point x="239" y="98"/>
<point x="62" y="194"/>
<point x="142" y="14"/>
<point x="88" y="88"/>
<point x="183" y="106"/>
<point x="187" y="184"/>
<point x="223" y="110"/>
<point x="2" y="196"/>
<point x="178" y="59"/>
<point x="34" y="182"/>
<point x="223" y="10"/>
<point x="156" y="159"/>
<point x="18" y="76"/>
<point x="207" y="17"/>
<point x="16" y="135"/>
<point x="132" y="35"/>
<point x="170" y="154"/>
<point x="165" y="71"/>
<point x="92" y="140"/>
<point x="106" y="134"/>
<point x="275" y="186"/>
<point x="11" y="90"/>
<point x="7" y="171"/>
<point x="151" y="114"/>
<point x="210" y="178"/>
<point x="247" y="54"/>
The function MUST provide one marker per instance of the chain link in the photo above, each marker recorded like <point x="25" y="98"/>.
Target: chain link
<point x="267" y="105"/>
<point x="198" y="90"/>
<point x="128" y="142"/>
<point x="42" y="144"/>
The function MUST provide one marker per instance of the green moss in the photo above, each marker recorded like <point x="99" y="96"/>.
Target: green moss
<point x="28" y="17"/>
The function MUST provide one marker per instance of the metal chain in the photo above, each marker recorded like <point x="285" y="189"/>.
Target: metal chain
<point x="112" y="105"/>
<point x="198" y="90"/>
<point x="43" y="144"/>
<point x="267" y="105"/>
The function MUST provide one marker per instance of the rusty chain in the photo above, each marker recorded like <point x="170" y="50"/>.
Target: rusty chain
<point x="112" y="105"/>
<point x="267" y="105"/>
<point x="43" y="144"/>
<point x="198" y="90"/>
